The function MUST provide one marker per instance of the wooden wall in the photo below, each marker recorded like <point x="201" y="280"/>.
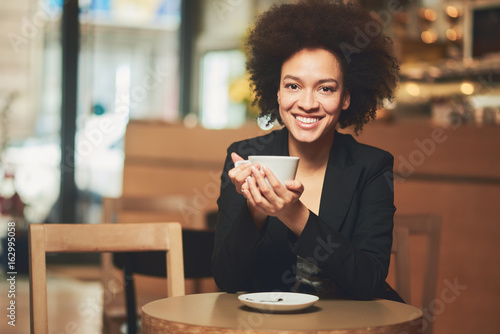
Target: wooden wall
<point x="163" y="160"/>
<point x="453" y="172"/>
<point x="455" y="175"/>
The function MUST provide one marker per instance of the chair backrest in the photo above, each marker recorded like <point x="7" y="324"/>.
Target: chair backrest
<point x="401" y="251"/>
<point x="77" y="238"/>
<point x="404" y="227"/>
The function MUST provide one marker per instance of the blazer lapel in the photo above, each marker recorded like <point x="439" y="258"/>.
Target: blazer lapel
<point x="341" y="178"/>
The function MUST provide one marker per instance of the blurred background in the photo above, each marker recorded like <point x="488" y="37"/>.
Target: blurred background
<point x="104" y="98"/>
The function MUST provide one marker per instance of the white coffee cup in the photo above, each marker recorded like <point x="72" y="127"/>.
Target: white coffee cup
<point x="283" y="167"/>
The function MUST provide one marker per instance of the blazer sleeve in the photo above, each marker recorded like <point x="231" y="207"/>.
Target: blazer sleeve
<point x="237" y="238"/>
<point x="358" y="263"/>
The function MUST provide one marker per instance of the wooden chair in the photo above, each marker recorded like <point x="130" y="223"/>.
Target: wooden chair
<point x="198" y="243"/>
<point x="77" y="238"/>
<point x="401" y="251"/>
<point x="404" y="227"/>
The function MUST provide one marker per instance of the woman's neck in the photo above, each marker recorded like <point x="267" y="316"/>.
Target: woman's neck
<point x="312" y="155"/>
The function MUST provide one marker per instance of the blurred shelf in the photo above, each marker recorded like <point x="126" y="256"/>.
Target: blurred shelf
<point x="449" y="70"/>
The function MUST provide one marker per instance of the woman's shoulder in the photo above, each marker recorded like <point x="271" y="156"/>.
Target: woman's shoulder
<point x="363" y="152"/>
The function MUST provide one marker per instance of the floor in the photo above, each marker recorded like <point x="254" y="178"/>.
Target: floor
<point x="74" y="303"/>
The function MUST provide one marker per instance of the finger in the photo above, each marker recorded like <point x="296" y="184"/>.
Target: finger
<point x="251" y="202"/>
<point x="244" y="186"/>
<point x="275" y="183"/>
<point x="260" y="180"/>
<point x="265" y="189"/>
<point x="235" y="157"/>
<point x="241" y="163"/>
<point x="255" y="192"/>
<point x="239" y="175"/>
<point x="295" y="186"/>
<point x="238" y="160"/>
<point x="248" y="195"/>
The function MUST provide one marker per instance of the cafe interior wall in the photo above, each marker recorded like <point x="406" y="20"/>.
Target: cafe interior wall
<point x="435" y="93"/>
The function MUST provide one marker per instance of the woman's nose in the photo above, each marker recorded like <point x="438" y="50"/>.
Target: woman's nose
<point x="308" y="101"/>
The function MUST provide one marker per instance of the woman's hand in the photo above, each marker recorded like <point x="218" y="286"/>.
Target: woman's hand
<point x="276" y="199"/>
<point x="238" y="175"/>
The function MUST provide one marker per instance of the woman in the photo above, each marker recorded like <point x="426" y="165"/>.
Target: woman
<point x="329" y="232"/>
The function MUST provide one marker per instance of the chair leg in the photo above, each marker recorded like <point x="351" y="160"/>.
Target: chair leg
<point x="111" y="326"/>
<point x="130" y="300"/>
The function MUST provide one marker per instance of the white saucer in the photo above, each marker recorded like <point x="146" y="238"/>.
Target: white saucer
<point x="278" y="301"/>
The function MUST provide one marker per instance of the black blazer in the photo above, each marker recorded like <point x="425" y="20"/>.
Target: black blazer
<point x="350" y="240"/>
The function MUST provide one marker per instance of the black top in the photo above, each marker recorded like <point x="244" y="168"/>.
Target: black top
<point x="350" y="240"/>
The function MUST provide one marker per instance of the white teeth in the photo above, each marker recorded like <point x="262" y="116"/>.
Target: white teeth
<point x="307" y="120"/>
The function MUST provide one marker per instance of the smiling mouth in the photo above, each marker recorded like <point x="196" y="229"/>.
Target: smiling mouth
<point x="307" y="120"/>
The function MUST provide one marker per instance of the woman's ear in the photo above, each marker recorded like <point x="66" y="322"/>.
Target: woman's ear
<point x="279" y="98"/>
<point x="346" y="96"/>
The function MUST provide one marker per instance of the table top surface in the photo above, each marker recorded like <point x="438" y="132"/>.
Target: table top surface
<point x="225" y="311"/>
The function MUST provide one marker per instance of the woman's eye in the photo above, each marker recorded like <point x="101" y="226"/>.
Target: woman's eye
<point x="327" y="89"/>
<point x="291" y="86"/>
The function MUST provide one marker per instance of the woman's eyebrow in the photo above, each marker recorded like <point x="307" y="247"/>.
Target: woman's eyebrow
<point x="328" y="80"/>
<point x="292" y="77"/>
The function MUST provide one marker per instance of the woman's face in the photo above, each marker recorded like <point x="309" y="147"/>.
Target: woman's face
<point x="311" y="94"/>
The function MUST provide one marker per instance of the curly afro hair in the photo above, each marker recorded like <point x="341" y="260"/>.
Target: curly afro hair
<point x="365" y="54"/>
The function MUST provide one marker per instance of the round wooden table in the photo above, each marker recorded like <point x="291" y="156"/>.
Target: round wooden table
<point x="224" y="313"/>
